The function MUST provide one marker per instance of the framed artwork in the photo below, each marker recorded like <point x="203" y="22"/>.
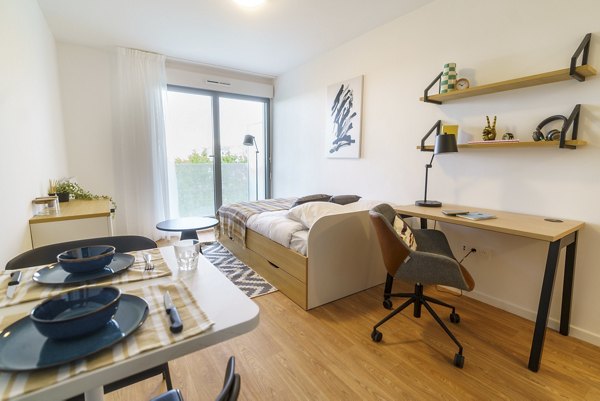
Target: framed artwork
<point x="344" y="102"/>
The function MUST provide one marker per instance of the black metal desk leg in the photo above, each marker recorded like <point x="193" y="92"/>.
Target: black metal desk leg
<point x="567" y="295"/>
<point x="541" y="320"/>
<point x="423" y="223"/>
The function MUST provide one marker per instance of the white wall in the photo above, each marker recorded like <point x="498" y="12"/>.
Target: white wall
<point x="86" y="84"/>
<point x="33" y="143"/>
<point x="489" y="41"/>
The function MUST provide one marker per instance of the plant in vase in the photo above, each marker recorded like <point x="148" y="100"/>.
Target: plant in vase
<point x="67" y="188"/>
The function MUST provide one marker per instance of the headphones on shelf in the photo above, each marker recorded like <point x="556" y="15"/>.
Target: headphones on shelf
<point x="553" y="134"/>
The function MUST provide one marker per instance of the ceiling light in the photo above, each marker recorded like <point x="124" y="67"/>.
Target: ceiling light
<point x="250" y="3"/>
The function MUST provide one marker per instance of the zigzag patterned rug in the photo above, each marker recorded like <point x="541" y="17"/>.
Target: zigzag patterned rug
<point x="246" y="279"/>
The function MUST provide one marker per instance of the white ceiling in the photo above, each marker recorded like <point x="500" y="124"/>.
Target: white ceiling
<point x="269" y="40"/>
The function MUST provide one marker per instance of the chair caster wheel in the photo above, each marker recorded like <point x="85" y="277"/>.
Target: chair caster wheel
<point x="454" y="317"/>
<point x="387" y="304"/>
<point x="376" y="336"/>
<point x="459" y="361"/>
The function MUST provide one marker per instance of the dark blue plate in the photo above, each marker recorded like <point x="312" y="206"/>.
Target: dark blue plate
<point x="23" y="347"/>
<point x="56" y="275"/>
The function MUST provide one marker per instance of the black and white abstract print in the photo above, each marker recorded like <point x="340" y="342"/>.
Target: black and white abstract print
<point x="344" y="121"/>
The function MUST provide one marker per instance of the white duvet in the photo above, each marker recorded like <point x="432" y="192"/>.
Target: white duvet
<point x="290" y="227"/>
<point x="275" y="226"/>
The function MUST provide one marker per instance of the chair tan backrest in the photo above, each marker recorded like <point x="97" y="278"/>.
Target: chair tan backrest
<point x="393" y="249"/>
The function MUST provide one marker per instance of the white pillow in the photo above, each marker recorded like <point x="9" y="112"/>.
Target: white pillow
<point x="308" y="213"/>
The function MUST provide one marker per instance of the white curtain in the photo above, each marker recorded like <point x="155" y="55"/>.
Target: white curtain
<point x="140" y="147"/>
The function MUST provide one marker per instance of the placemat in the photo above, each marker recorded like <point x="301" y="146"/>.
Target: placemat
<point x="29" y="290"/>
<point x="152" y="334"/>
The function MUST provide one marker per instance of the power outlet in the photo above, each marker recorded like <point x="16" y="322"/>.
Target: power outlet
<point x="480" y="252"/>
<point x="467" y="247"/>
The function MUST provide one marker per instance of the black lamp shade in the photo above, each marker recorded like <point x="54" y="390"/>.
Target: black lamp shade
<point x="249" y="140"/>
<point x="445" y="143"/>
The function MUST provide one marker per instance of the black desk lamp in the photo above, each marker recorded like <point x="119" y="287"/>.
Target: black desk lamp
<point x="249" y="140"/>
<point x="444" y="143"/>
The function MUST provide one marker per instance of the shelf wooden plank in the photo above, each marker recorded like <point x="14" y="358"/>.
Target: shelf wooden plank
<point x="517" y="83"/>
<point x="76" y="209"/>
<point x="500" y="144"/>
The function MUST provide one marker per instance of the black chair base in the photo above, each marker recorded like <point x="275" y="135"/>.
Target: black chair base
<point x="146" y="374"/>
<point x="171" y="395"/>
<point x="418" y="299"/>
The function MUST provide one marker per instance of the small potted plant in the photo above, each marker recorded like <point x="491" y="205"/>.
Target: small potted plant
<point x="65" y="189"/>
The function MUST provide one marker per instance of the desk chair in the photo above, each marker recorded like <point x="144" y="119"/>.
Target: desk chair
<point x="229" y="392"/>
<point x="122" y="243"/>
<point x="431" y="263"/>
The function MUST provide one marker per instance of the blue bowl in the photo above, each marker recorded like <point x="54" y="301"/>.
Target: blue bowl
<point x="76" y="313"/>
<point x="86" y="259"/>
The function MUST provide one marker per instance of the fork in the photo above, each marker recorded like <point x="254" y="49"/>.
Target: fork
<point x="148" y="259"/>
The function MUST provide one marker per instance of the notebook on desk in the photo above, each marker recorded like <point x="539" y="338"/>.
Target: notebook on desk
<point x="476" y="216"/>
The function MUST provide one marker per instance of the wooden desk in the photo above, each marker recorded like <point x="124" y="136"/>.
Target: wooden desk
<point x="557" y="234"/>
<point x="232" y="312"/>
<point x="77" y="219"/>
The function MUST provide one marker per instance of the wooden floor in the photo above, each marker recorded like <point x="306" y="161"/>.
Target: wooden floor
<point x="327" y="354"/>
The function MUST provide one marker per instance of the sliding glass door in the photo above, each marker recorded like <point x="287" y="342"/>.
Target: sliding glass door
<point x="202" y="124"/>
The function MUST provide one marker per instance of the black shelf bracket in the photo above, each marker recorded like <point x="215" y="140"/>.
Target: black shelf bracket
<point x="574" y="121"/>
<point x="426" y="94"/>
<point x="437" y="127"/>
<point x="584" y="48"/>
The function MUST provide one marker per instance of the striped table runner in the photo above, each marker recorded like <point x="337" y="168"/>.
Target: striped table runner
<point x="154" y="333"/>
<point x="29" y="290"/>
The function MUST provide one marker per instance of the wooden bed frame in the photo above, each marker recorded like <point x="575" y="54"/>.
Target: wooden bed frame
<point x="343" y="258"/>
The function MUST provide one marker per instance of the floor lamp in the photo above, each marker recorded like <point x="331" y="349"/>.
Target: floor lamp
<point x="249" y="140"/>
<point x="444" y="143"/>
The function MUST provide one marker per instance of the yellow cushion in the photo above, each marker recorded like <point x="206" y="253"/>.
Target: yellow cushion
<point x="405" y="233"/>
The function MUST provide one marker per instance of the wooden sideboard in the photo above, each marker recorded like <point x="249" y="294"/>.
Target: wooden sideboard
<point x="77" y="219"/>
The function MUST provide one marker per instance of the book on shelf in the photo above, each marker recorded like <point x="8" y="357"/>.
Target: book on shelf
<point x="496" y="141"/>
<point x="476" y="216"/>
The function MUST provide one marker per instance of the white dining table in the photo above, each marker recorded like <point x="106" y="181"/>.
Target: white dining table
<point x="232" y="312"/>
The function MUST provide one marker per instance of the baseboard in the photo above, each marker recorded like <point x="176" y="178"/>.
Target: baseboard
<point x="574" y="331"/>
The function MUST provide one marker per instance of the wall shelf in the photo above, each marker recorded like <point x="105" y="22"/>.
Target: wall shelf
<point x="573" y="72"/>
<point x="563" y="143"/>
<point x="517" y="83"/>
<point x="501" y="144"/>
<point x="572" y="122"/>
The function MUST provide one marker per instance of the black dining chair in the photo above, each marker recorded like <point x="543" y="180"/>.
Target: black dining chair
<point x="47" y="254"/>
<point x="123" y="243"/>
<point x="229" y="392"/>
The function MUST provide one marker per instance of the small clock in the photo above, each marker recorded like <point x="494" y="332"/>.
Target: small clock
<point x="462" y="83"/>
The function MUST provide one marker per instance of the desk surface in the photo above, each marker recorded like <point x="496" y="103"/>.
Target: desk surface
<point x="523" y="225"/>
<point x="231" y="311"/>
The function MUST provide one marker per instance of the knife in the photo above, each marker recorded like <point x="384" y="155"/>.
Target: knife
<point x="15" y="279"/>
<point x="176" y="324"/>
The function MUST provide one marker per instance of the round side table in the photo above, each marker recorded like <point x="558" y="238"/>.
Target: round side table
<point x="187" y="225"/>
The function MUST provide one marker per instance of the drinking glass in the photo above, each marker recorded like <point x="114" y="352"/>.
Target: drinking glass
<point x="187" y="252"/>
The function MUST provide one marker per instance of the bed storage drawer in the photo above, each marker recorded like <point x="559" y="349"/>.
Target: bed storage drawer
<point x="289" y="261"/>
<point x="293" y="288"/>
<point x="273" y="264"/>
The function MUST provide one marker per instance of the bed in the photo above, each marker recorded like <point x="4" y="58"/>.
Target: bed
<point x="340" y="256"/>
